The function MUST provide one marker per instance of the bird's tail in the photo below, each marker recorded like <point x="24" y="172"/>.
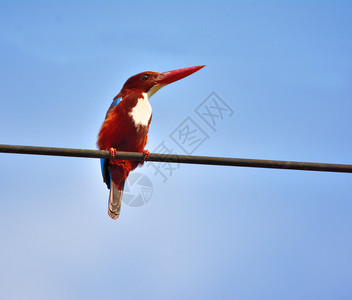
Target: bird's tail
<point x="118" y="175"/>
<point x="115" y="199"/>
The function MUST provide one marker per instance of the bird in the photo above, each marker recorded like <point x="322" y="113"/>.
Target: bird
<point x="126" y="126"/>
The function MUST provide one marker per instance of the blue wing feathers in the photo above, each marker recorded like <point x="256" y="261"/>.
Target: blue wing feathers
<point x="104" y="163"/>
<point x="115" y="102"/>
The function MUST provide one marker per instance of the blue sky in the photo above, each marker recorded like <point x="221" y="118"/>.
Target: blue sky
<point x="282" y="67"/>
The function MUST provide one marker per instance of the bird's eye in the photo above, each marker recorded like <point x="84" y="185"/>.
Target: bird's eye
<point x="145" y="77"/>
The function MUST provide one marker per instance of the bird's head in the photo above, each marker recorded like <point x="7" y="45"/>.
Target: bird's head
<point x="151" y="82"/>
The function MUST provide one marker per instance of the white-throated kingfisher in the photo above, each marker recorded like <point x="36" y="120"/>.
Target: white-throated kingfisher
<point x="126" y="128"/>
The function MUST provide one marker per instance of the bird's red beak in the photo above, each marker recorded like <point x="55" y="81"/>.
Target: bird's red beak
<point x="172" y="76"/>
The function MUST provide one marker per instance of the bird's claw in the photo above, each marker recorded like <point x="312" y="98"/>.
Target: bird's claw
<point x="112" y="155"/>
<point x="146" y="154"/>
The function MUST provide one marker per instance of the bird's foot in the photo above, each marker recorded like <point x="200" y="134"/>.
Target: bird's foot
<point x="146" y="154"/>
<point x="112" y="155"/>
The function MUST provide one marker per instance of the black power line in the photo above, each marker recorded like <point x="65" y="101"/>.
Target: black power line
<point x="174" y="158"/>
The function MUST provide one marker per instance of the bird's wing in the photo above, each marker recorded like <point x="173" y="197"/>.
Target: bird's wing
<point x="104" y="163"/>
<point x="113" y="105"/>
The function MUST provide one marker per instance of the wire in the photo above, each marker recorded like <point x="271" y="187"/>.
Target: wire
<point x="174" y="158"/>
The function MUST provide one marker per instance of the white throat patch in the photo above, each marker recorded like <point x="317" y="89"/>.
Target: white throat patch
<point x="142" y="112"/>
